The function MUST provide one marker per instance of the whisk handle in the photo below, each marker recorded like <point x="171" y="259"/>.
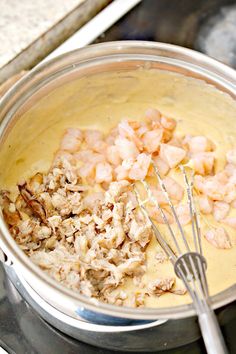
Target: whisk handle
<point x="211" y="333"/>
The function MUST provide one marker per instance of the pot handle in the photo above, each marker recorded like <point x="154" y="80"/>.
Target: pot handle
<point x="4" y="259"/>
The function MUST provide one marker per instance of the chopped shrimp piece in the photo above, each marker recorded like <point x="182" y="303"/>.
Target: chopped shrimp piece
<point x="167" y="136"/>
<point x="63" y="155"/>
<point x="142" y="130"/>
<point x="231" y="156"/>
<point x="100" y="146"/>
<point x="222" y="177"/>
<point x="156" y="215"/>
<point x="135" y="124"/>
<point x="76" y="132"/>
<point x="168" y="123"/>
<point x="174" y="189"/>
<point x="140" y="168"/>
<point x="87" y="171"/>
<point x="172" y="155"/>
<point x="127" y="149"/>
<point x="183" y="213"/>
<point x="218" y="237"/>
<point x="175" y="141"/>
<point x="159" y="195"/>
<point x="113" y="134"/>
<point x="126" y="131"/>
<point x="110" y="140"/>
<point x="153" y="114"/>
<point x="72" y="140"/>
<point x="198" y="144"/>
<point x="121" y="173"/>
<point x="213" y="189"/>
<point x="103" y="172"/>
<point x="199" y="182"/>
<point x="233" y="203"/>
<point x="113" y="155"/>
<point x="232" y="179"/>
<point x="152" y="140"/>
<point x="229" y="192"/>
<point x="230" y="222"/>
<point x="230" y="172"/>
<point x="161" y="165"/>
<point x="230" y="169"/>
<point x="89" y="156"/>
<point x="205" y="204"/>
<point x="94" y="140"/>
<point x="92" y="136"/>
<point x="128" y="163"/>
<point x="203" y="163"/>
<point x="220" y="210"/>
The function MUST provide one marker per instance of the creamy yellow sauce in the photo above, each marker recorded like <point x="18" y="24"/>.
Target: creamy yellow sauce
<point x="101" y="101"/>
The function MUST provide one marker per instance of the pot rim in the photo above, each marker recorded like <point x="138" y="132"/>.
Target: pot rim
<point x="193" y="61"/>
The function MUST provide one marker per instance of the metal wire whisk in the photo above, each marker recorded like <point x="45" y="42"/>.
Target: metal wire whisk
<point x="189" y="265"/>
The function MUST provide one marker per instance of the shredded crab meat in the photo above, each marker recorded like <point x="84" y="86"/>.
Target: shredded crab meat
<point x="163" y="285"/>
<point x="81" y="223"/>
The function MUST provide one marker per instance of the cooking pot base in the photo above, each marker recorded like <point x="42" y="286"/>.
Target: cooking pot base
<point x="148" y="337"/>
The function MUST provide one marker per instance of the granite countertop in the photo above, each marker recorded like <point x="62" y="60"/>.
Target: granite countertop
<point x="21" y="22"/>
<point x="30" y="30"/>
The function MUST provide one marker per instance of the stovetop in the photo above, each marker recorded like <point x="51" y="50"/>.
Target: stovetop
<point x="208" y="26"/>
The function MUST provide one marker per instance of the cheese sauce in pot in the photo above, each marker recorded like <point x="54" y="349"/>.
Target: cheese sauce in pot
<point x="100" y="101"/>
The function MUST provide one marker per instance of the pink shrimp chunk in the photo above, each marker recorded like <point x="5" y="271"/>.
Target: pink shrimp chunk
<point x="174" y="189"/>
<point x="126" y="148"/>
<point x="220" y="210"/>
<point x="205" y="204"/>
<point x="229" y="192"/>
<point x="152" y="140"/>
<point x="198" y="144"/>
<point x="126" y="130"/>
<point x="230" y="221"/>
<point x="153" y="114"/>
<point x="168" y="123"/>
<point x="203" y="162"/>
<point x="172" y="155"/>
<point x="213" y="189"/>
<point x="159" y="195"/>
<point x="113" y="156"/>
<point x="89" y="156"/>
<point x="162" y="166"/>
<point x="156" y="215"/>
<point x="183" y="213"/>
<point x="121" y="173"/>
<point x="218" y="237"/>
<point x="72" y="140"/>
<point x="140" y="168"/>
<point x="103" y="172"/>
<point x="231" y="156"/>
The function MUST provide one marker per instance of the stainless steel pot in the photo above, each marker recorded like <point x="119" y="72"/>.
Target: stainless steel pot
<point x="65" y="309"/>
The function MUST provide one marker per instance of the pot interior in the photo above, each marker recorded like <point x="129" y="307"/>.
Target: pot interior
<point x="99" y="94"/>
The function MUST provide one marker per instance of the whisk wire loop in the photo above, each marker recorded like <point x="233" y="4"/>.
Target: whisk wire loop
<point x="189" y="265"/>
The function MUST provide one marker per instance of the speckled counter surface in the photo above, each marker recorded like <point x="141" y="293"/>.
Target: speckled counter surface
<point x="21" y="22"/>
<point x="29" y="30"/>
